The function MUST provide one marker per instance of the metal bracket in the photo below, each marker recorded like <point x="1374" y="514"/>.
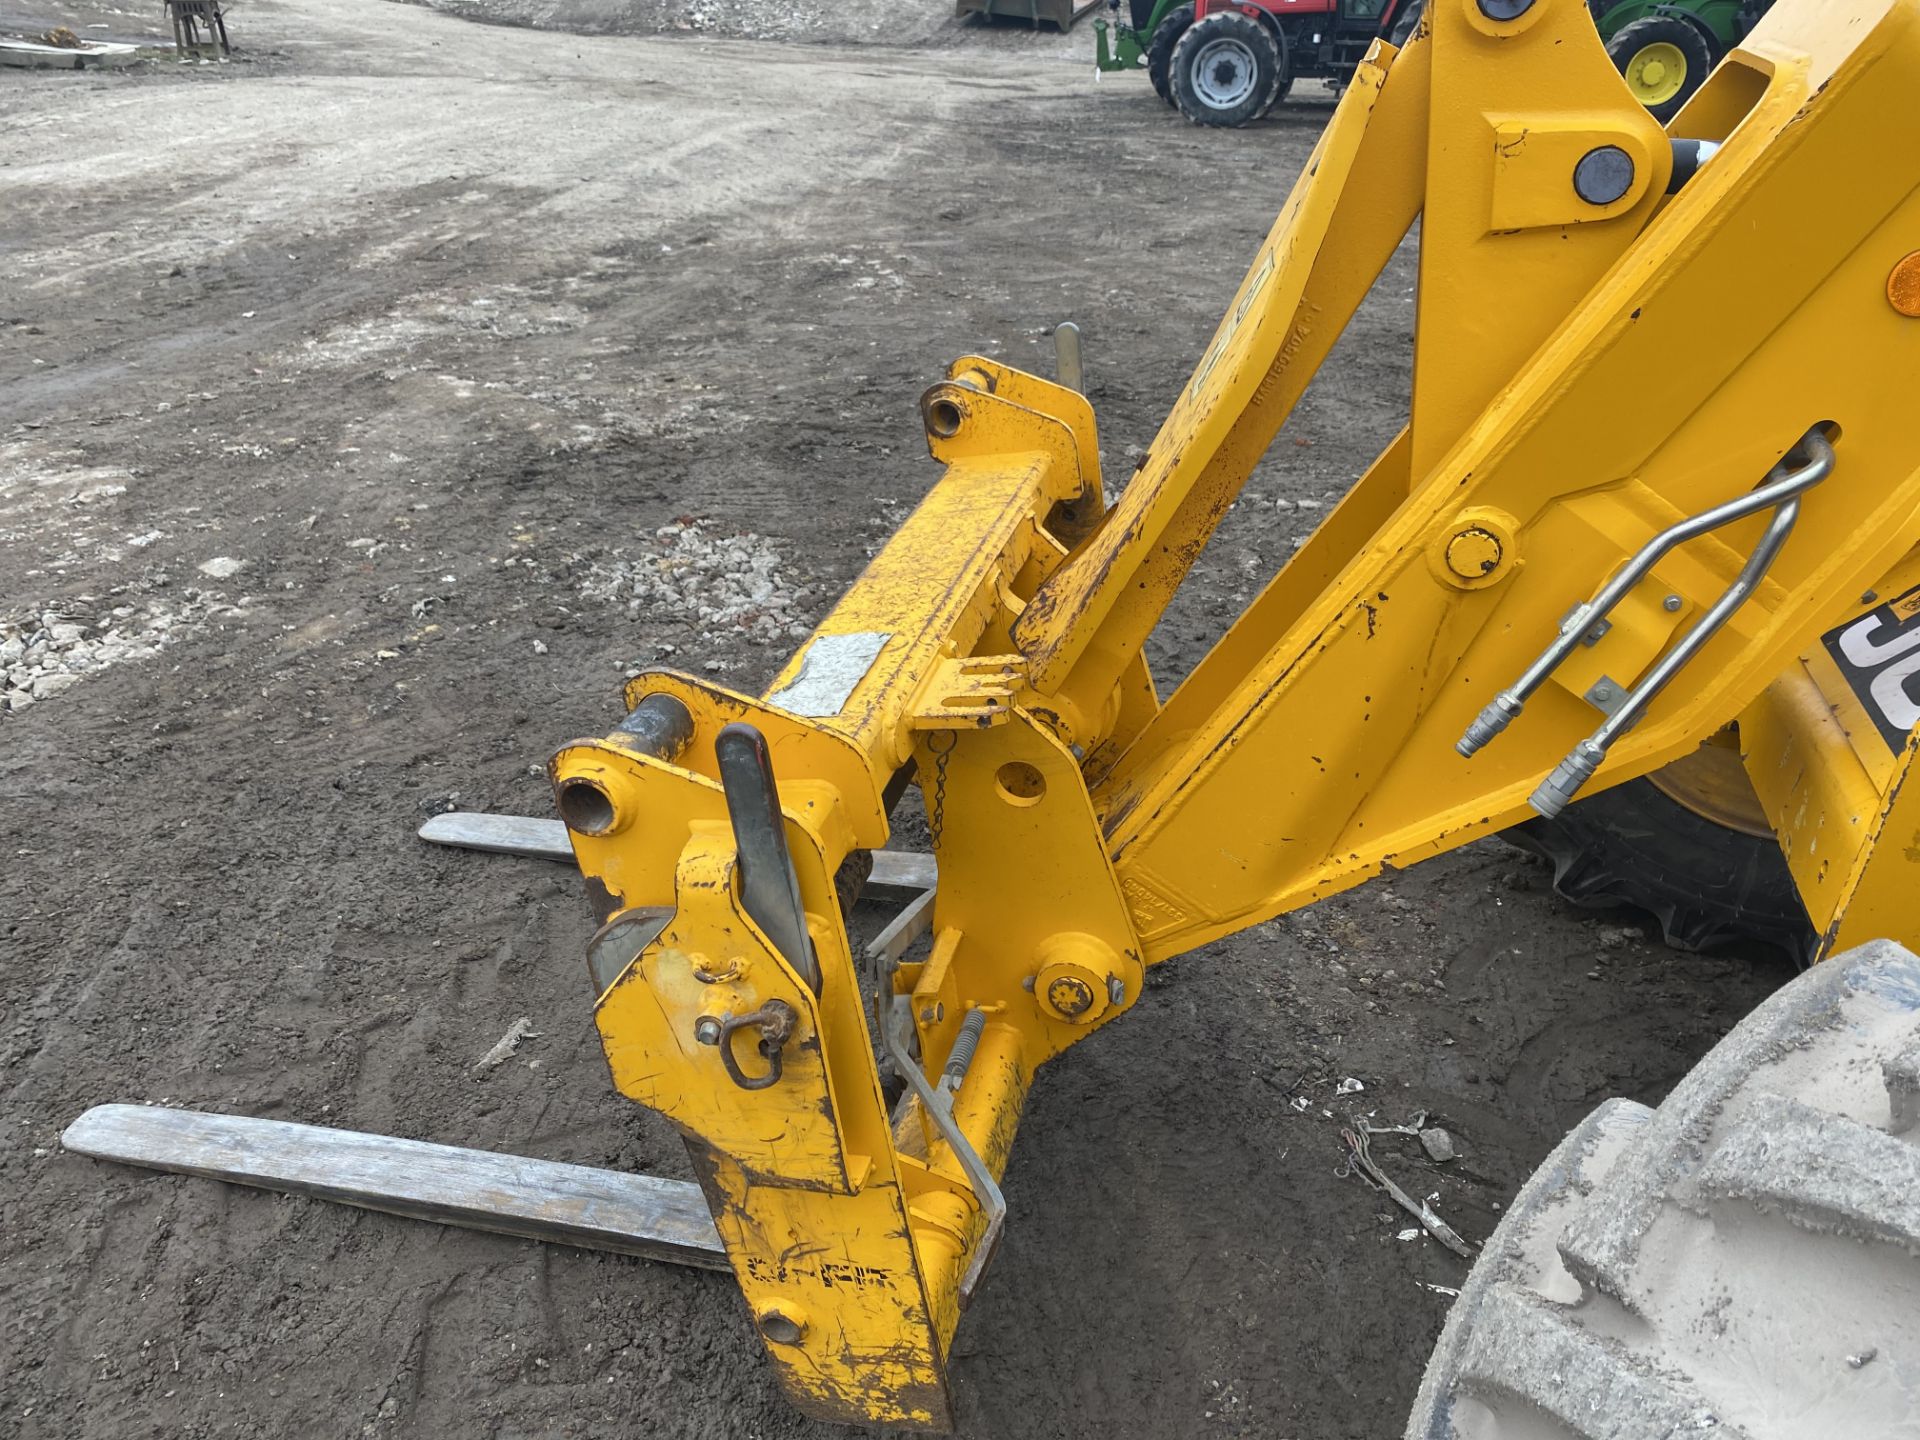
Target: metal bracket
<point x="971" y="692"/>
<point x="1606" y="695"/>
<point x="621" y="941"/>
<point x="1594" y="632"/>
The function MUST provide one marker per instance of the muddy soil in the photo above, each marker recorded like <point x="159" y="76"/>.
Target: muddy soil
<point x="360" y="401"/>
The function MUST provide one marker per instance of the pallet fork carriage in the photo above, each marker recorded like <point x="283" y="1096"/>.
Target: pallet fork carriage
<point x="1446" y="648"/>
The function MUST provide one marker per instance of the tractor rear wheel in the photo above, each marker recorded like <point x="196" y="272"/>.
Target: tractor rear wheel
<point x="1226" y="70"/>
<point x="1160" y="48"/>
<point x="1689" y="845"/>
<point x="1664" y="60"/>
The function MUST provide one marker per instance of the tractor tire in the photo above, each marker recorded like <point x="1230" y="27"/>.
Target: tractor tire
<point x="1663" y="59"/>
<point x="1706" y="884"/>
<point x="1160" y="49"/>
<point x="1739" y="1263"/>
<point x="1226" y="70"/>
<point x="1407" y="22"/>
<point x="1284" y="84"/>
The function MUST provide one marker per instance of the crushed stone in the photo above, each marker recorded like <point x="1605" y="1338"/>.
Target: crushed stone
<point x="718" y="583"/>
<point x="48" y="651"/>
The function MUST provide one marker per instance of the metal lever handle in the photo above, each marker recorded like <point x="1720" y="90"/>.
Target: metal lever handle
<point x="769" y="888"/>
<point x="894" y="1014"/>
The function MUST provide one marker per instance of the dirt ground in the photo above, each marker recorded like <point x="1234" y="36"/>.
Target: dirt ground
<point x="363" y="404"/>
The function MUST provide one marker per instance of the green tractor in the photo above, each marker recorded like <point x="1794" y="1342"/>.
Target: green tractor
<point x="1303" y="39"/>
<point x="1664" y="48"/>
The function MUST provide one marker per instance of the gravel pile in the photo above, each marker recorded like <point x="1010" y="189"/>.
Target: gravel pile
<point x="718" y="584"/>
<point x="833" y="22"/>
<point x="50" y="652"/>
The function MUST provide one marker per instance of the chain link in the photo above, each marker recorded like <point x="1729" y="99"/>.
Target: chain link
<point x="936" y="821"/>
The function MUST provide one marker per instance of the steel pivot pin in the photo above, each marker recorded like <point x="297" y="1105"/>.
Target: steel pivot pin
<point x="1604" y="175"/>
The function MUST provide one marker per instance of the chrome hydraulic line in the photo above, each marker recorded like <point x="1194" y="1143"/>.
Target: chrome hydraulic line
<point x="1805" y="466"/>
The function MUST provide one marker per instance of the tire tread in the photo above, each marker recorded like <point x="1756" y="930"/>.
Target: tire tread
<point x="1743" y="1260"/>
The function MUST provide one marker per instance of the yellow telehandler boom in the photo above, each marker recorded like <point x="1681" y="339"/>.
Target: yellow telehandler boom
<point x="1658" y="490"/>
<point x="1662" y="440"/>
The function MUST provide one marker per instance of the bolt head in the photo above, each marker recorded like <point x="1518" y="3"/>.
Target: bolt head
<point x="1069" y="996"/>
<point x="707" y="1030"/>
<point x="1074" y="979"/>
<point x="1604" y="175"/>
<point x="1673" y="604"/>
<point x="1474" y="553"/>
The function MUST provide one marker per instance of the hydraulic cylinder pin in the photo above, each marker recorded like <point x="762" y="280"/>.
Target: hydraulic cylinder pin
<point x="660" y="726"/>
<point x="1779" y="492"/>
<point x="1688" y="158"/>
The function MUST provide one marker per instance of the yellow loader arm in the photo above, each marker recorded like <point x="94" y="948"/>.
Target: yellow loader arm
<point x="1663" y="439"/>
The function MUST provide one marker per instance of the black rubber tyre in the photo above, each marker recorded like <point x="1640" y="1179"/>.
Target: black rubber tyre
<point x="1655" y="41"/>
<point x="1706" y="885"/>
<point x="1286" y="81"/>
<point x="1738" y="1263"/>
<point x="1160" y="49"/>
<point x="1287" y="73"/>
<point x="1406" y="22"/>
<point x="1226" y="70"/>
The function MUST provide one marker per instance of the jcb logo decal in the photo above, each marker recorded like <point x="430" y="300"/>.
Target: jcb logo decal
<point x="1880" y="655"/>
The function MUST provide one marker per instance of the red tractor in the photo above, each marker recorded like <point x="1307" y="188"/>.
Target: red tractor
<point x="1227" y="62"/>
